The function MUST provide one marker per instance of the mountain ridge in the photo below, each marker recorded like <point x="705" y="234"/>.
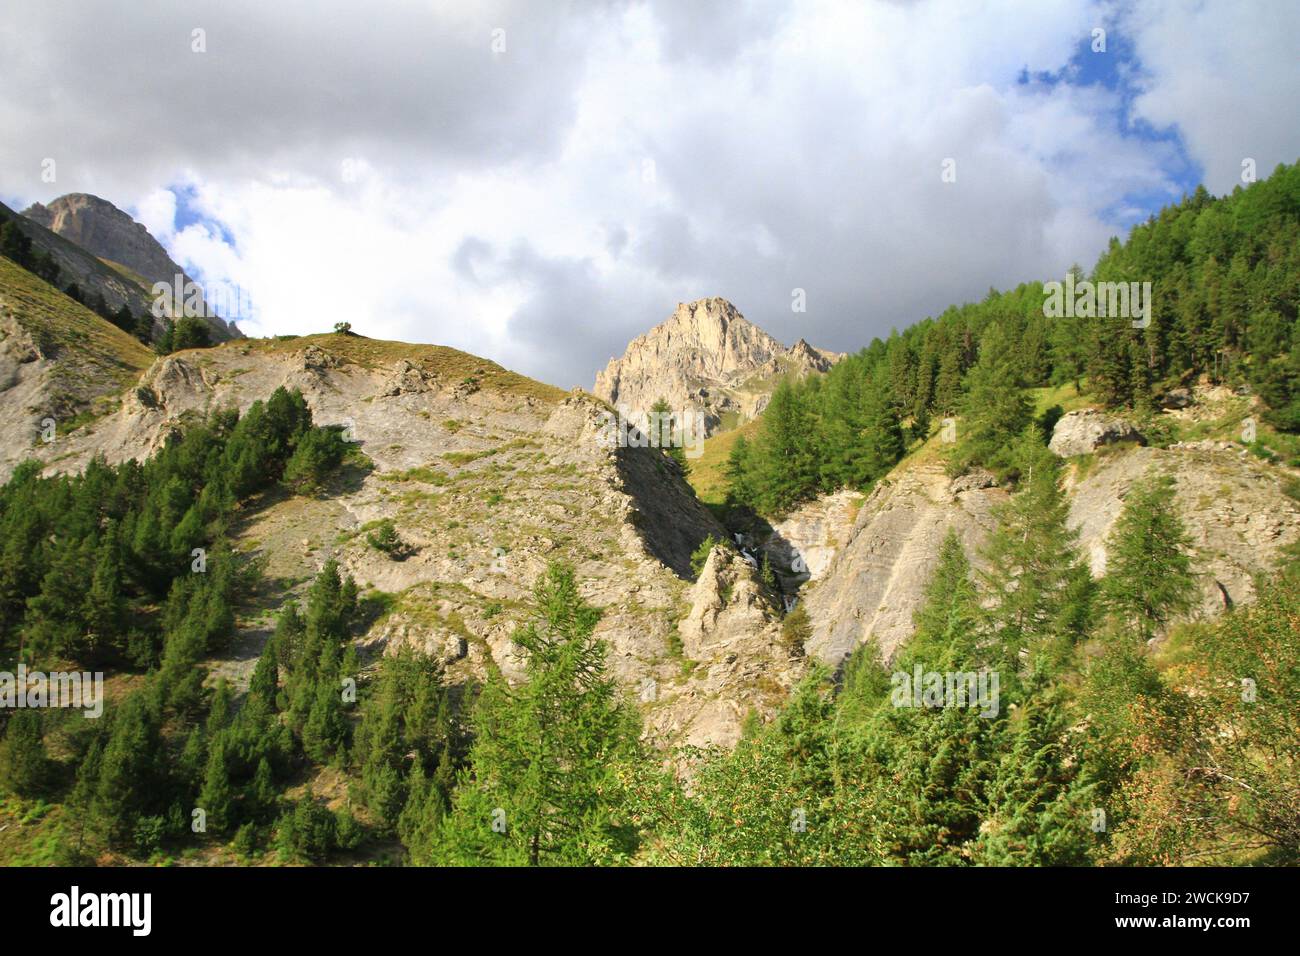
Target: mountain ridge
<point x="112" y="236"/>
<point x="709" y="358"/>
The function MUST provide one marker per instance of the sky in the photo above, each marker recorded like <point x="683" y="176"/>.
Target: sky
<point x="540" y="182"/>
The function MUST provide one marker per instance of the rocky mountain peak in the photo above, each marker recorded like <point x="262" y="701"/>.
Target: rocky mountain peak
<point x="707" y="357"/>
<point x="108" y="233"/>
<point x="102" y="229"/>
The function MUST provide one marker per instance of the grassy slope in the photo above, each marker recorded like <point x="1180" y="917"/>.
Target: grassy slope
<point x="60" y="323"/>
<point x="706" y="474"/>
<point x="126" y="273"/>
<point x="448" y="363"/>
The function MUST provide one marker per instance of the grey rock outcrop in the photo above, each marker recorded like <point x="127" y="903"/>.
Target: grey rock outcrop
<point x="706" y="358"/>
<point x="1232" y="505"/>
<point x="726" y="601"/>
<point x="804" y="542"/>
<point x="1083" y="432"/>
<point x="875" y="582"/>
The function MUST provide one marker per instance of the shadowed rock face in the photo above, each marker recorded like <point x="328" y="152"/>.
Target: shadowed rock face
<point x="106" y="232"/>
<point x="706" y="357"/>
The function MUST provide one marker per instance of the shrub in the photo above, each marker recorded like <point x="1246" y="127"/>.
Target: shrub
<point x="701" y="554"/>
<point x="319" y="452"/>
<point x="386" y="539"/>
<point x="308" y="831"/>
<point x="796" y="629"/>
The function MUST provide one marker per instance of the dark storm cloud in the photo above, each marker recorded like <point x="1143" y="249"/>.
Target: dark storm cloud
<point x="297" y="84"/>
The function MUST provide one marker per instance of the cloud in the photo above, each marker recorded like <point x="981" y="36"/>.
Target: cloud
<point x="1226" y="75"/>
<point x="544" y="203"/>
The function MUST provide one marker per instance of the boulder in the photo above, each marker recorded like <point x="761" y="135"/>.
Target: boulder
<point x="976" y="479"/>
<point x="1083" y="432"/>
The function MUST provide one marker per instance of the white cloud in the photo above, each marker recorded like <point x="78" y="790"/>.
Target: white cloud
<point x="157" y="212"/>
<point x="421" y="187"/>
<point x="1226" y="74"/>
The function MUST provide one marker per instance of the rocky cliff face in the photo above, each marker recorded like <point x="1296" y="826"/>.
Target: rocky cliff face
<point x="1232" y="504"/>
<point x="82" y="268"/>
<point x="487" y="476"/>
<point x="706" y="357"/>
<point x="60" y="364"/>
<point x="106" y="232"/>
<point x="874" y="583"/>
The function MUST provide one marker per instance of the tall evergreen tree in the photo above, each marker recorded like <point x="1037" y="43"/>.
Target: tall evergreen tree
<point x="542" y="785"/>
<point x="1038" y="588"/>
<point x="1148" y="569"/>
<point x="996" y="409"/>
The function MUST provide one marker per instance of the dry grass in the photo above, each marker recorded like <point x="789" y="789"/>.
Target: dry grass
<point x="449" y="364"/>
<point x="707" y="474"/>
<point x="59" y="322"/>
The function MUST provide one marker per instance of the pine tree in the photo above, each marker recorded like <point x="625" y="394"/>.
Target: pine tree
<point x="543" y="764"/>
<point x="421" y="820"/>
<point x="1148" y="572"/>
<point x="193" y="761"/>
<point x="319" y="452"/>
<point x="996" y="409"/>
<point x="787" y="467"/>
<point x="946" y="624"/>
<point x="265" y="683"/>
<point x="1039" y="800"/>
<point x="105" y="607"/>
<point x="947" y="386"/>
<point x="665" y="431"/>
<point x="379" y="746"/>
<point x="882" y="436"/>
<point x="1037" y="584"/>
<point x="263" y="797"/>
<point x="326" y="726"/>
<point x="739" y="473"/>
<point x="216" y="798"/>
<point x="128" y="783"/>
<point x="24" y="763"/>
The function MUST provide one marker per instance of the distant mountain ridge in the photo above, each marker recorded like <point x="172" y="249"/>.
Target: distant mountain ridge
<point x="710" y="358"/>
<point x="109" y="234"/>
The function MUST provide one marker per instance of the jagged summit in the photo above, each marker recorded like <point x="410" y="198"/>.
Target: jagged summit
<point x="101" y="228"/>
<point x="709" y="357"/>
<point x="108" y="233"/>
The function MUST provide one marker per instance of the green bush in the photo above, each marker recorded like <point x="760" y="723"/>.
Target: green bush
<point x="386" y="539"/>
<point x="701" y="554"/>
<point x="796" y="629"/>
<point x="319" y="452"/>
<point x="307" y="832"/>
